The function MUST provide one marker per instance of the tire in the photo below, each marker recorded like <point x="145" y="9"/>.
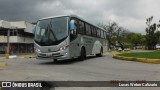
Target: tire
<point x="83" y="55"/>
<point x="55" y="61"/>
<point x="100" y="54"/>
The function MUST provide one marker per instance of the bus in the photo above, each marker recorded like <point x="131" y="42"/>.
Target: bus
<point x="68" y="37"/>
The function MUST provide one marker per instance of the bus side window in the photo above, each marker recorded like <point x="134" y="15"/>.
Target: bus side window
<point x="81" y="27"/>
<point x="88" y="30"/>
<point x="105" y="35"/>
<point x="102" y="35"/>
<point x="98" y="32"/>
<point x="95" y="32"/>
<point x="92" y="31"/>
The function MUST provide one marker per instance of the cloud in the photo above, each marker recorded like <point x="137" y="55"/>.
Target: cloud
<point x="130" y="14"/>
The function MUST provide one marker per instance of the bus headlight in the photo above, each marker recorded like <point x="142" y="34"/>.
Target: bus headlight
<point x="38" y="50"/>
<point x="63" y="48"/>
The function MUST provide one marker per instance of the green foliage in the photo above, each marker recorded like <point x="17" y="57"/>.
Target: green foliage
<point x="152" y="34"/>
<point x="152" y="55"/>
<point x="116" y="34"/>
<point x="157" y="51"/>
<point x="127" y="46"/>
<point x="136" y="39"/>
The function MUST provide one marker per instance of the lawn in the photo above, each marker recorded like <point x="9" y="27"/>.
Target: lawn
<point x="153" y="55"/>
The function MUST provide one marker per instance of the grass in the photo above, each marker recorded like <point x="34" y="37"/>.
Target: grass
<point x="151" y="55"/>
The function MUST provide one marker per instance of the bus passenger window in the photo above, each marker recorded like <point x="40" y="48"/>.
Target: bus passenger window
<point x="105" y="35"/>
<point x="95" y="32"/>
<point x="88" y="30"/>
<point x="102" y="35"/>
<point x="81" y="27"/>
<point x="98" y="33"/>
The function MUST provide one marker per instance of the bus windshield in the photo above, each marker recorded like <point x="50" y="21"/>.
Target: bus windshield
<point x="51" y="31"/>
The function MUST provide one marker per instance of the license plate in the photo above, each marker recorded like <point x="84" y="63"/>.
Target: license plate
<point x="48" y="55"/>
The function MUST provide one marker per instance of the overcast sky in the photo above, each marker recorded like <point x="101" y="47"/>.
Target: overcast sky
<point x="130" y="14"/>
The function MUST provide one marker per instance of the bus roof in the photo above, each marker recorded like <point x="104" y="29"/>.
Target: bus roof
<point x="72" y="16"/>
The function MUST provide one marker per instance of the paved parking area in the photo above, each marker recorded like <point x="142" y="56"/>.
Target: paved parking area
<point x="92" y="69"/>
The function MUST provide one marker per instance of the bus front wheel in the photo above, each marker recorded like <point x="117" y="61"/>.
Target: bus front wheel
<point x="55" y="60"/>
<point x="83" y="54"/>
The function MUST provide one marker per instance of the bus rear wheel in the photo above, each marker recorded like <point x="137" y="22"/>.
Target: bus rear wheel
<point x="83" y="54"/>
<point x="100" y="54"/>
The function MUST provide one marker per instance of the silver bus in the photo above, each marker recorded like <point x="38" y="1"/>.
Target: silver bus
<point x="67" y="37"/>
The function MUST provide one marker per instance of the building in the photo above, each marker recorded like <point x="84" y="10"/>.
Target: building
<point x="21" y="36"/>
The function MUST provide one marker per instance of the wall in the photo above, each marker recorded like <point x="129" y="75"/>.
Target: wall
<point x="29" y="27"/>
<point x="4" y="24"/>
<point x="16" y="39"/>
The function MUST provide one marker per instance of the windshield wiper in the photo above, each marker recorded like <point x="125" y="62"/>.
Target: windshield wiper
<point x="44" y="34"/>
<point x="48" y="31"/>
<point x="52" y="31"/>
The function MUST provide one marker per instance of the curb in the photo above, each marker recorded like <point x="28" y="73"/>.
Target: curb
<point x="3" y="64"/>
<point x="116" y="52"/>
<point x="110" y="53"/>
<point x="144" y="60"/>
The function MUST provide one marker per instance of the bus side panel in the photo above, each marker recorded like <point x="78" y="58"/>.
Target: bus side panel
<point x="88" y="44"/>
<point x="97" y="44"/>
<point x="105" y="45"/>
<point x="93" y="44"/>
<point x="75" y="47"/>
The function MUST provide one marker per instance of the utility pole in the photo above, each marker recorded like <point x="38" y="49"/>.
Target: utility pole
<point x="8" y="44"/>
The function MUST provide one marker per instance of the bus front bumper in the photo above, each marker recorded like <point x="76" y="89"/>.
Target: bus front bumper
<point x="53" y="55"/>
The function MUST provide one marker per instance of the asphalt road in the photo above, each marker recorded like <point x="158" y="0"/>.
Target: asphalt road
<point x="92" y="69"/>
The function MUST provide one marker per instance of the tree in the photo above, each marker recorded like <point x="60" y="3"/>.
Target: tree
<point x="116" y="34"/>
<point x="152" y="33"/>
<point x="136" y="39"/>
<point x="158" y="32"/>
<point x="121" y="35"/>
<point x="111" y="28"/>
